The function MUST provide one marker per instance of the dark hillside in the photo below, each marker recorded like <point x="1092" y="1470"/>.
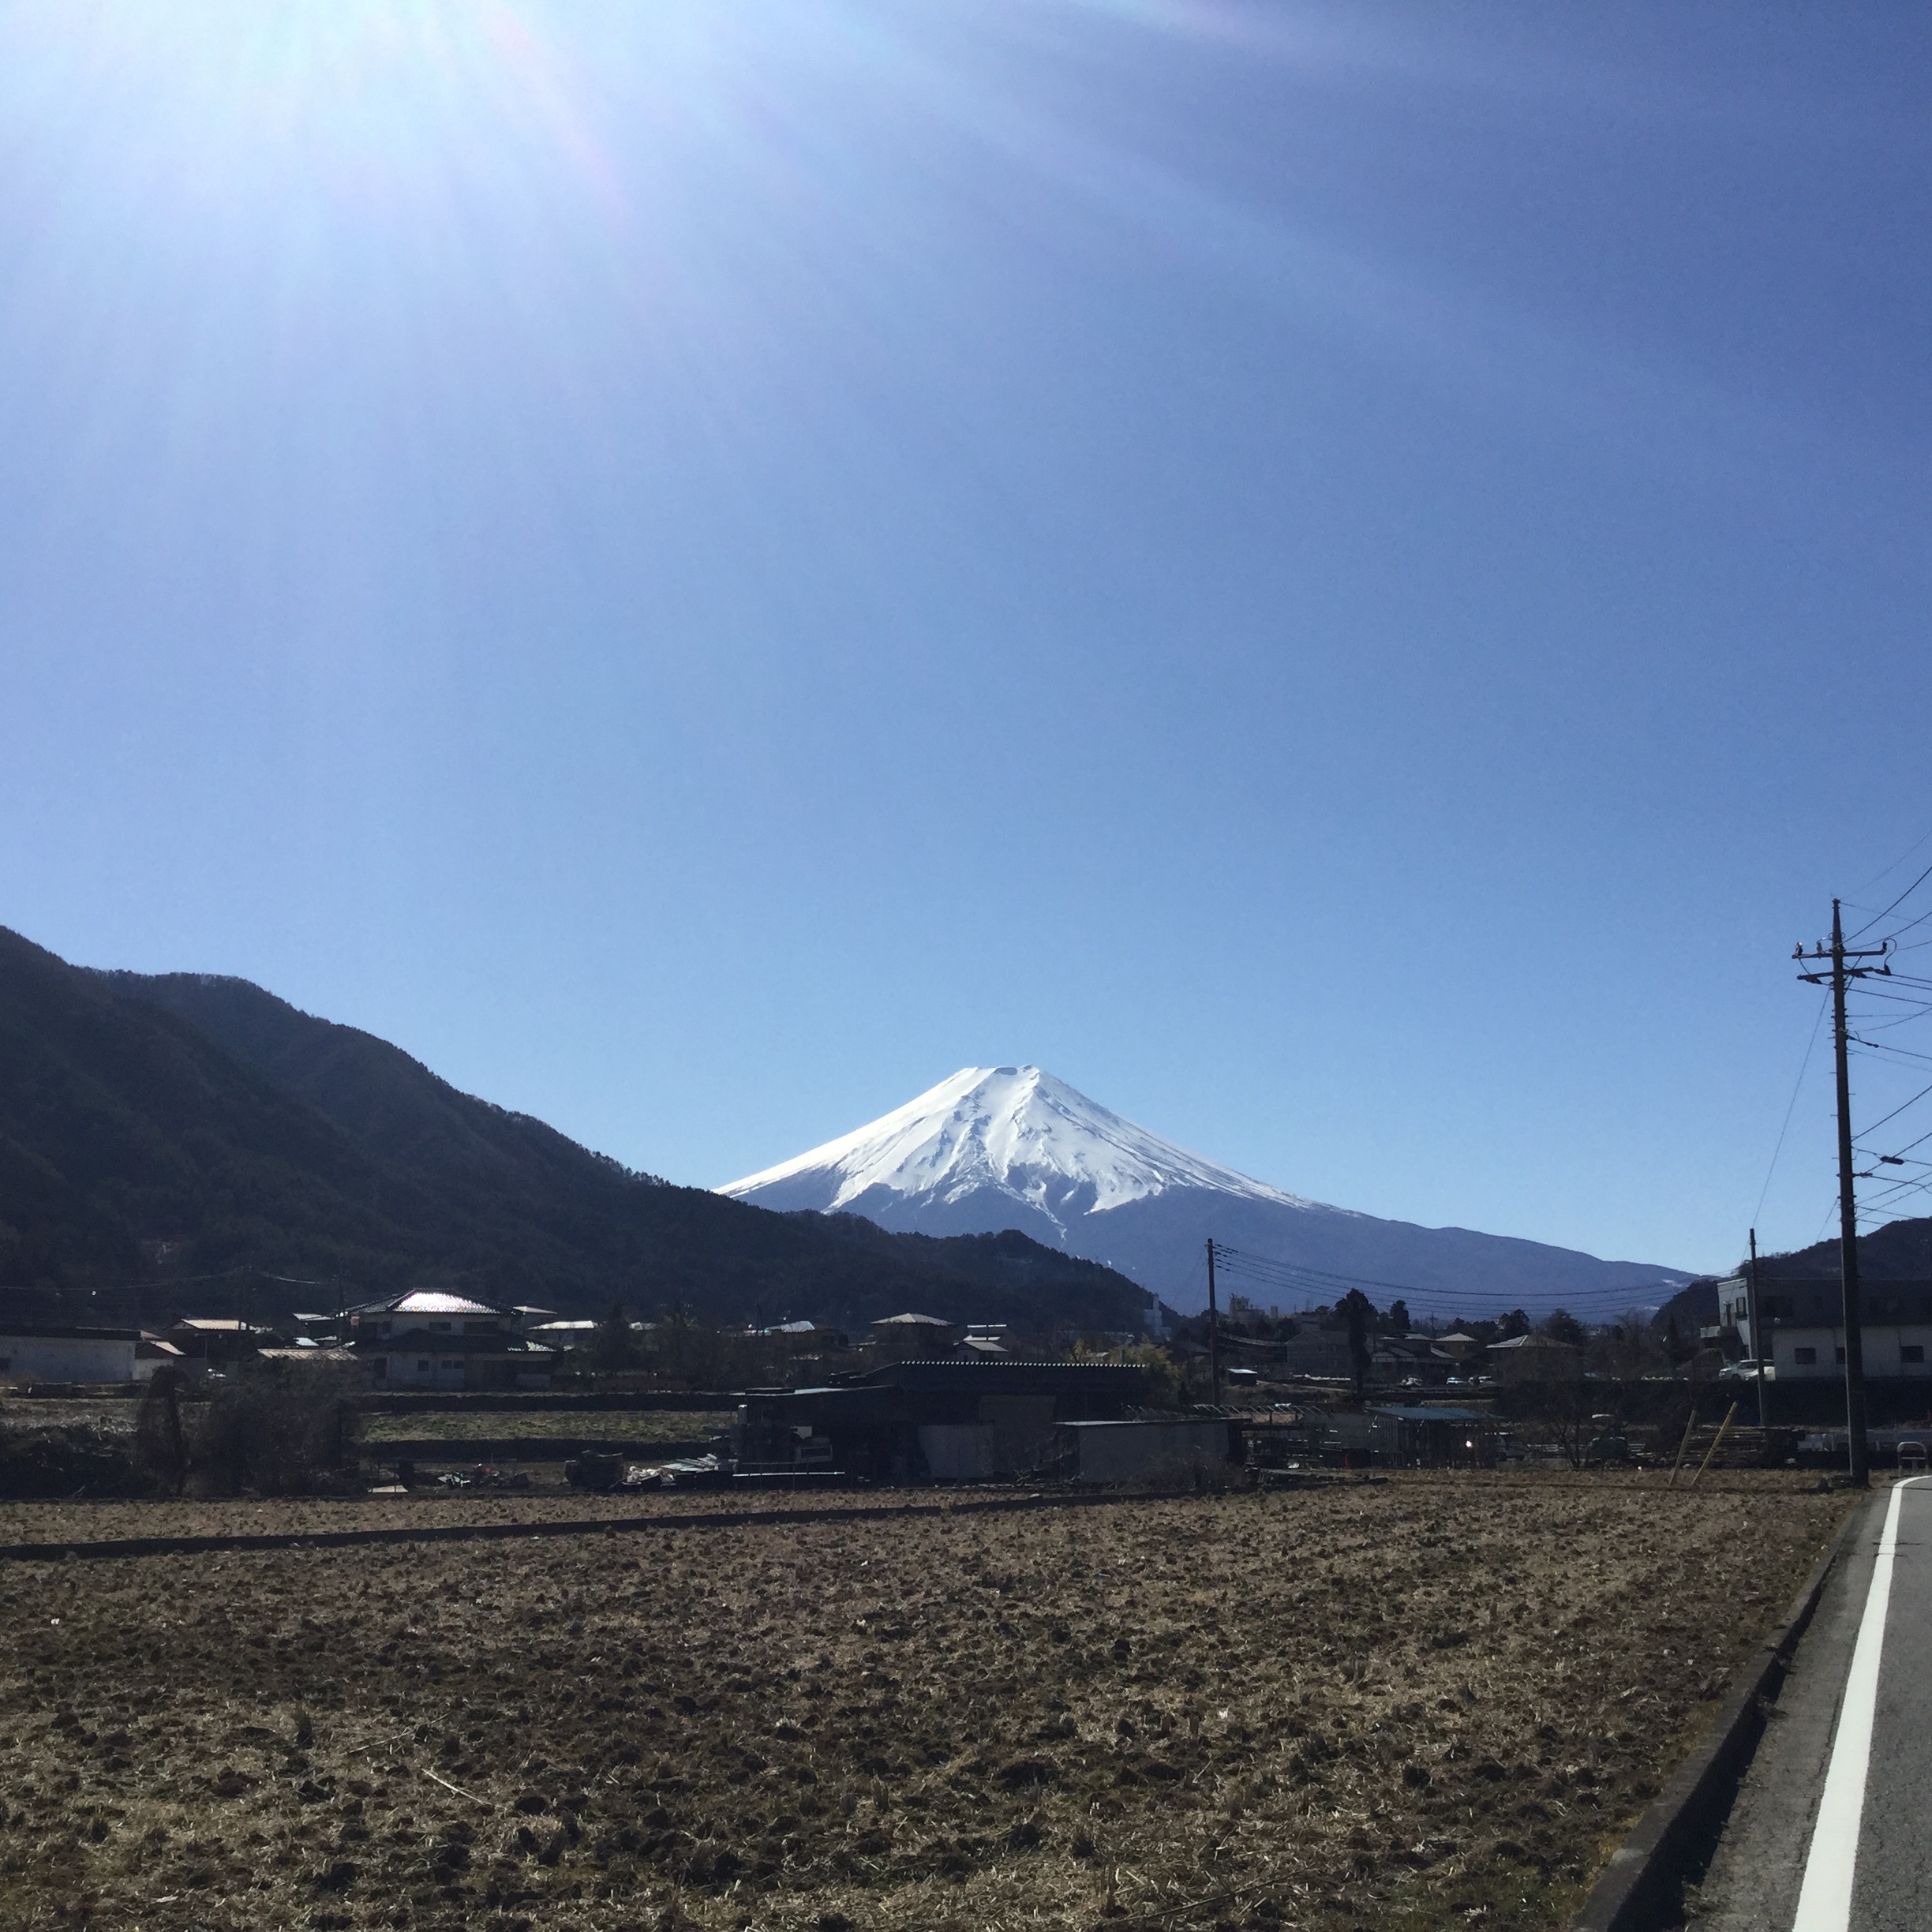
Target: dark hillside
<point x="1899" y="1251"/>
<point x="123" y="1128"/>
<point x="157" y="1129"/>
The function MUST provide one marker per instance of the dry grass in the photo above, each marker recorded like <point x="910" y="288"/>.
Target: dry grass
<point x="1427" y="1702"/>
<point x="642" y="1426"/>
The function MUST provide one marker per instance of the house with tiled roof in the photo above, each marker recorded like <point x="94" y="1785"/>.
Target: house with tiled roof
<point x="430" y="1338"/>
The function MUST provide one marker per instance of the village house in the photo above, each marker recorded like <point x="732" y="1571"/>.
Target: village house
<point x="430" y="1339"/>
<point x="1535" y="1358"/>
<point x="1409" y="1358"/>
<point x="925" y="1336"/>
<point x="216" y="1345"/>
<point x="1462" y="1349"/>
<point x="1316" y="1350"/>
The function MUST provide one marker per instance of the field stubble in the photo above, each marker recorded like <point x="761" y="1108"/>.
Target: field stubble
<point x="1410" y="1705"/>
<point x="643" y="1426"/>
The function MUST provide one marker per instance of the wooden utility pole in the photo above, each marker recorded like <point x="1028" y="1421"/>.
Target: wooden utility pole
<point x="1858" y="1455"/>
<point x="1214" y="1330"/>
<point x="1754" y="1306"/>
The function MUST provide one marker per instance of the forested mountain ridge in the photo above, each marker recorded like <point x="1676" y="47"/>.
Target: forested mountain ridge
<point x="155" y="1130"/>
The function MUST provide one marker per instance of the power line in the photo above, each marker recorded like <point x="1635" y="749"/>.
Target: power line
<point x="1293" y="1274"/>
<point x="1897" y="1110"/>
<point x="1803" y="1067"/>
<point x="1896" y="904"/>
<point x="1904" y="857"/>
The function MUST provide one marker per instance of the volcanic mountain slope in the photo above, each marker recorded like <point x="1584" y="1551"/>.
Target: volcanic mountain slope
<point x="1013" y="1147"/>
<point x="155" y="1131"/>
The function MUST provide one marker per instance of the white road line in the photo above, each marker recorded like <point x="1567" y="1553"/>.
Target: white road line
<point x="1825" y="1902"/>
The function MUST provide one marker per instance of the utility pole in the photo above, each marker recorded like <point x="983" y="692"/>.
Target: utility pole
<point x="1755" y="1307"/>
<point x="1214" y="1330"/>
<point x="1839" y="954"/>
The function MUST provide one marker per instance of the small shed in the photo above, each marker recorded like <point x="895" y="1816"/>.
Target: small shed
<point x="1415" y="1436"/>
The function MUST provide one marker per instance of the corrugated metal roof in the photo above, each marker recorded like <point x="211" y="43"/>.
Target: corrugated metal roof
<point x="57" y="1331"/>
<point x="1421" y="1412"/>
<point x="433" y="1301"/>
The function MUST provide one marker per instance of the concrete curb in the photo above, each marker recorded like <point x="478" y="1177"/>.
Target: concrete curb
<point x="564" y="1527"/>
<point x="1636" y="1892"/>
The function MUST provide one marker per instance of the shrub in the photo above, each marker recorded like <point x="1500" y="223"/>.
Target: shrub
<point x="64" y="1459"/>
<point x="278" y="1429"/>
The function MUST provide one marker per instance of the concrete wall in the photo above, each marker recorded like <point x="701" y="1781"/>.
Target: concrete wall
<point x="1138" y="1452"/>
<point x="1013" y="1435"/>
<point x="958" y="1451"/>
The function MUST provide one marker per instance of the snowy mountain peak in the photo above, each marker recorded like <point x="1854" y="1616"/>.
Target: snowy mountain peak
<point x="997" y="1148"/>
<point x="1012" y="1132"/>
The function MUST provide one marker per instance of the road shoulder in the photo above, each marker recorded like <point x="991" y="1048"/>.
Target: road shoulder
<point x="1752" y="1880"/>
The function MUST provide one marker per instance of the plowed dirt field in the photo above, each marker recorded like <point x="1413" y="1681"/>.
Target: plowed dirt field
<point x="1420" y="1703"/>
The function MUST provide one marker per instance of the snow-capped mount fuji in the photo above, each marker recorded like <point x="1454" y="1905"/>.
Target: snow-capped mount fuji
<point x="993" y="1141"/>
<point x="996" y="1147"/>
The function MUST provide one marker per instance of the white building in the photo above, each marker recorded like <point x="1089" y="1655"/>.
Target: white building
<point x="1802" y="1354"/>
<point x="48" y="1351"/>
<point x="1801" y="1328"/>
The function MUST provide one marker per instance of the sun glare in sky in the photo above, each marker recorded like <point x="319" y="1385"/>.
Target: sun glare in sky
<point x="877" y="535"/>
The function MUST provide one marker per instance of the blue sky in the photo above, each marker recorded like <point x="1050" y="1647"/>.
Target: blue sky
<point x="1348" y="579"/>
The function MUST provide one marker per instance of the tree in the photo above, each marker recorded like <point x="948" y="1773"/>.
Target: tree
<point x="1561" y="1326"/>
<point x="1510" y="1326"/>
<point x="160" y="1446"/>
<point x="1396" y="1321"/>
<point x="1360" y="1312"/>
<point x="279" y="1430"/>
<point x="1624" y="1350"/>
<point x="613" y="1346"/>
<point x="1558" y="1414"/>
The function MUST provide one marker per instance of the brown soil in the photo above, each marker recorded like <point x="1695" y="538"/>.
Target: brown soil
<point x="1386" y="1704"/>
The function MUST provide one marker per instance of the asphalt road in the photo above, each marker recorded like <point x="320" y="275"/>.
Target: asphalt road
<point x="1832" y="1830"/>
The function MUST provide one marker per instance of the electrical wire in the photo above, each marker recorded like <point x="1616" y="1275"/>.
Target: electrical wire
<point x="1904" y="857"/>
<point x="1897" y="1110"/>
<point x="1896" y="903"/>
<point x="1803" y="1067"/>
<point x="1243" y="1263"/>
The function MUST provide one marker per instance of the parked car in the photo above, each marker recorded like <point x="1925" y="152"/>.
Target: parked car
<point x="1912" y="1456"/>
<point x="1747" y="1371"/>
